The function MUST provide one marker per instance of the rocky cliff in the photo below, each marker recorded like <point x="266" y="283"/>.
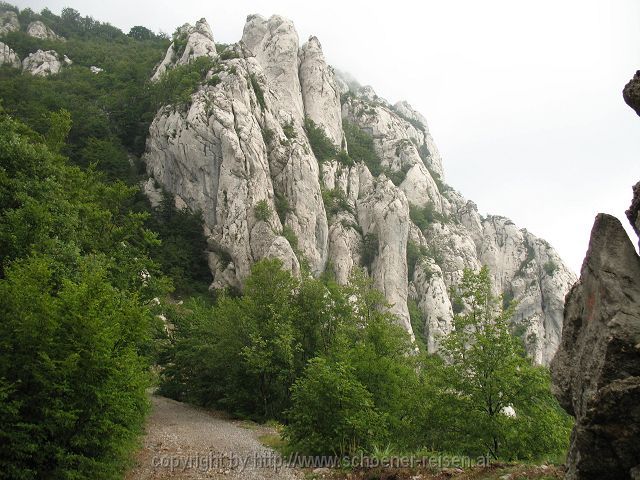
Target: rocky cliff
<point x="596" y="371"/>
<point x="242" y="152"/>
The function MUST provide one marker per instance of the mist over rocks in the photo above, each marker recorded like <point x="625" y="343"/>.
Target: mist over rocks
<point x="243" y="141"/>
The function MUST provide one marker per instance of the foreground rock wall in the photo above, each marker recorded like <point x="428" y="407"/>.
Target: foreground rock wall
<point x="596" y="371"/>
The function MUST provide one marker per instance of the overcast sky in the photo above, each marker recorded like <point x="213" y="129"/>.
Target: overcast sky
<point x="523" y="98"/>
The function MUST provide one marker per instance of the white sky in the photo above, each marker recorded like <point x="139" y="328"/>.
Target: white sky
<point x="523" y="98"/>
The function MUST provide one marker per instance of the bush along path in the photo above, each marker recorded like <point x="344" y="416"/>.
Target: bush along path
<point x="188" y="442"/>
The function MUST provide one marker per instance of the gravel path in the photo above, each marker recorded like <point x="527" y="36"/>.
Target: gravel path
<point x="183" y="441"/>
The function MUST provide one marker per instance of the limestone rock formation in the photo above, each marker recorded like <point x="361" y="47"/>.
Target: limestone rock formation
<point x="274" y="43"/>
<point x="633" y="214"/>
<point x="241" y="142"/>
<point x="38" y="29"/>
<point x="190" y="42"/>
<point x="596" y="372"/>
<point x="631" y="92"/>
<point x="8" y="22"/>
<point x="42" y="63"/>
<point x="320" y="92"/>
<point x="9" y="57"/>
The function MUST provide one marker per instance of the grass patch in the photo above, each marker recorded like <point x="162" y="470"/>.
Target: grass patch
<point x="361" y="148"/>
<point x="321" y="145"/>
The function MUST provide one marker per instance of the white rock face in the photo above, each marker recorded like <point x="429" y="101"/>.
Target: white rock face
<point x="198" y="42"/>
<point x="432" y="155"/>
<point x="38" y="29"/>
<point x="9" y="57"/>
<point x="42" y="63"/>
<point x="383" y="211"/>
<point x="294" y="169"/>
<point x="8" y="22"/>
<point x="241" y="142"/>
<point x="274" y="43"/>
<point x="319" y="91"/>
<point x="431" y="294"/>
<point x="401" y="145"/>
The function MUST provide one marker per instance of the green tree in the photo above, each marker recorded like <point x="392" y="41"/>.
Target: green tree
<point x="60" y="124"/>
<point x="332" y="412"/>
<point x="75" y="336"/>
<point x="241" y="354"/>
<point x="361" y="147"/>
<point x="323" y="148"/>
<point x="486" y="376"/>
<point x="262" y="211"/>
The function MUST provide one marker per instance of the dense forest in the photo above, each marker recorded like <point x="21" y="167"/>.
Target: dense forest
<point x="99" y="291"/>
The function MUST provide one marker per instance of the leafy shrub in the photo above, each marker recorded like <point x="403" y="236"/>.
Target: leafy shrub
<point x="414" y="253"/>
<point x="228" y="54"/>
<point x="361" y="148"/>
<point x="487" y="372"/>
<point x="262" y="211"/>
<point x="110" y="157"/>
<point x="181" y="255"/>
<point x="255" y="84"/>
<point x="214" y="80"/>
<point x="322" y="147"/>
<point x="177" y="85"/>
<point x="292" y="238"/>
<point x="344" y="159"/>
<point x="115" y="105"/>
<point x="369" y="250"/>
<point x="507" y="298"/>
<point x="267" y="135"/>
<point x="335" y="201"/>
<point x="179" y="39"/>
<point x="289" y="130"/>
<point x="442" y="187"/>
<point x="398" y="176"/>
<point x="425" y="216"/>
<point x="417" y="324"/>
<point x="550" y="267"/>
<point x="283" y="208"/>
<point x="332" y="411"/>
<point x="75" y="331"/>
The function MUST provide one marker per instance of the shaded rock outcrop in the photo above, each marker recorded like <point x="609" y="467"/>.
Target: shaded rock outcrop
<point x="8" y="22"/>
<point x="631" y="92"/>
<point x="9" y="57"/>
<point x="633" y="214"/>
<point x="189" y="43"/>
<point x="42" y="63"/>
<point x="596" y="371"/>
<point x="38" y="29"/>
<point x="241" y="142"/>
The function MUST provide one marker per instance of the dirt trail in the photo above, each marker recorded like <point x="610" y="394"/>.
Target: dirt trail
<point x="183" y="441"/>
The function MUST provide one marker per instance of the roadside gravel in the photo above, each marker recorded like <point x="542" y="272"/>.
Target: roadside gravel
<point x="186" y="442"/>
